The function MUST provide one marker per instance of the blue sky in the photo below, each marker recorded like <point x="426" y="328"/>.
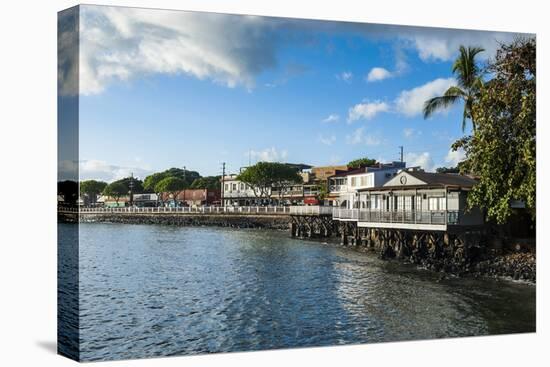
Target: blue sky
<point x="161" y="89"/>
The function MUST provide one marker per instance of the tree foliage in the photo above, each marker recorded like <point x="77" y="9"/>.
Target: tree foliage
<point x="263" y="176"/>
<point x="188" y="176"/>
<point x="92" y="188"/>
<point x="115" y="190"/>
<point x="362" y="162"/>
<point x="469" y="78"/>
<point x="209" y="182"/>
<point x="137" y="187"/>
<point x="171" y="185"/>
<point x="501" y="151"/>
<point x="322" y="191"/>
<point x="447" y="170"/>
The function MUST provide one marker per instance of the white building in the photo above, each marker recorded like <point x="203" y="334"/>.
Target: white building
<point x="345" y="185"/>
<point x="416" y="200"/>
<point x="237" y="193"/>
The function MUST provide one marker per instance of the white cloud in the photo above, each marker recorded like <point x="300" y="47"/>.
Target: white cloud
<point x="360" y="137"/>
<point x="378" y="73"/>
<point x="443" y="44"/>
<point x="327" y="140"/>
<point x="268" y="155"/>
<point x="332" y="118"/>
<point x="100" y="170"/>
<point x="367" y="110"/>
<point x="410" y="132"/>
<point x="453" y="158"/>
<point x="411" y="102"/>
<point x="424" y="160"/>
<point x="120" y="44"/>
<point x="123" y="43"/>
<point x="346" y="76"/>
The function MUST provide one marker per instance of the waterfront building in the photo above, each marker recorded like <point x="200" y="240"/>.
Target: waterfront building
<point x="415" y="200"/>
<point x="193" y="197"/>
<point x="237" y="193"/>
<point x="109" y="202"/>
<point x="145" y="200"/>
<point x="344" y="186"/>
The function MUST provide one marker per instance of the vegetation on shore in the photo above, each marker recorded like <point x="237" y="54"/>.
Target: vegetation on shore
<point x="500" y="101"/>
<point x="262" y="176"/>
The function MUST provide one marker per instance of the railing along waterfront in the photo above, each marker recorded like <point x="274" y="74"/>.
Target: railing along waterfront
<point x="341" y="213"/>
<point x="311" y="210"/>
<point x="194" y="210"/>
<point x="398" y="216"/>
<point x="410" y="217"/>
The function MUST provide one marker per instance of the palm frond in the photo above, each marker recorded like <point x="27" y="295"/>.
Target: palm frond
<point x="465" y="67"/>
<point x="455" y="91"/>
<point x="437" y="103"/>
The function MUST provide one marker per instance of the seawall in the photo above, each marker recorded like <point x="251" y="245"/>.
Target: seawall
<point x="277" y="221"/>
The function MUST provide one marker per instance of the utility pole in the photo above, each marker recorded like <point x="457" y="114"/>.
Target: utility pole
<point x="223" y="179"/>
<point x="401" y="153"/>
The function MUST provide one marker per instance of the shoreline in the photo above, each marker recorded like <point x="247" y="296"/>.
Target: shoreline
<point x="512" y="266"/>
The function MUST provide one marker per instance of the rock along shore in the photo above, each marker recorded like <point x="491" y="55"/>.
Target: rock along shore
<point x="278" y="221"/>
<point x="507" y="263"/>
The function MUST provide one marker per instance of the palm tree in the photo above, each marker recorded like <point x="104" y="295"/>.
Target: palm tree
<point x="468" y="76"/>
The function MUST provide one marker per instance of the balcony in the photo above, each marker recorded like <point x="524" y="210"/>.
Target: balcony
<point x="441" y="217"/>
<point x="311" y="210"/>
<point x="338" y="188"/>
<point x="345" y="214"/>
<point x="427" y="220"/>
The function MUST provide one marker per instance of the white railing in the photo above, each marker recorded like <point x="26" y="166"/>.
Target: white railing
<point x="342" y="213"/>
<point x="441" y="217"/>
<point x="194" y="210"/>
<point x="311" y="210"/>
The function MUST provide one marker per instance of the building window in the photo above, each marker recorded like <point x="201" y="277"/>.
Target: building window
<point x="436" y="203"/>
<point x="226" y="188"/>
<point x="408" y="203"/>
<point x="442" y="203"/>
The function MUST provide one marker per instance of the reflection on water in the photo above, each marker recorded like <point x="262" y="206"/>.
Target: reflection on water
<point x="158" y="290"/>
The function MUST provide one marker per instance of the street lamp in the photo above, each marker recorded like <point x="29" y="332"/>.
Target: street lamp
<point x="131" y="187"/>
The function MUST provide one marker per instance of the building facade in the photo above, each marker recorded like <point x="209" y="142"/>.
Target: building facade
<point x="415" y="200"/>
<point x="344" y="186"/>
<point x="193" y="197"/>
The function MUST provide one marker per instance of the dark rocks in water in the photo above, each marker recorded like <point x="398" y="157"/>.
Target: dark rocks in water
<point x="279" y="222"/>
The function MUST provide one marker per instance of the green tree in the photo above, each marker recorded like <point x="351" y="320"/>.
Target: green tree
<point x="115" y="190"/>
<point x="137" y="184"/>
<point x="92" y="188"/>
<point x="186" y="175"/>
<point x="209" y="182"/>
<point x="172" y="185"/>
<point x="501" y="151"/>
<point x="264" y="176"/>
<point x="284" y="178"/>
<point x="362" y="162"/>
<point x="447" y="170"/>
<point x="150" y="183"/>
<point x="322" y="191"/>
<point x="469" y="78"/>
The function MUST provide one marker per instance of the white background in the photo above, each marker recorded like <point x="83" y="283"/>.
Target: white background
<point x="28" y="181"/>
